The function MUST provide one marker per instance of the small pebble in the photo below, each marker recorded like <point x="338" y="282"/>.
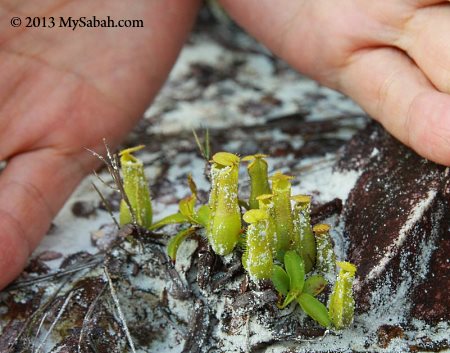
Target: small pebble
<point x="49" y="255"/>
<point x="83" y="209"/>
<point x="105" y="236"/>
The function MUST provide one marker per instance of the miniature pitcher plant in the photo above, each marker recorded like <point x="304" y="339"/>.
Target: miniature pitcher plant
<point x="304" y="241"/>
<point x="281" y="188"/>
<point x="325" y="259"/>
<point x="259" y="181"/>
<point x="257" y="258"/>
<point x="276" y="231"/>
<point x="224" y="225"/>
<point x="136" y="190"/>
<point x="265" y="202"/>
<point x="342" y="304"/>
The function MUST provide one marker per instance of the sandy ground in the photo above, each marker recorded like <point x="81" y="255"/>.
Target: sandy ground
<point x="225" y="81"/>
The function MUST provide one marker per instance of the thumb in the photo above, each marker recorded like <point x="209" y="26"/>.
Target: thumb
<point x="33" y="187"/>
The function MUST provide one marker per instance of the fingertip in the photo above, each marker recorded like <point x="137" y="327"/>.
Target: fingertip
<point x="14" y="249"/>
<point x="33" y="187"/>
<point x="429" y="126"/>
<point x="396" y="93"/>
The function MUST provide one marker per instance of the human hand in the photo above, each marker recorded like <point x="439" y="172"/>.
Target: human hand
<point x="392" y="57"/>
<point x="62" y="91"/>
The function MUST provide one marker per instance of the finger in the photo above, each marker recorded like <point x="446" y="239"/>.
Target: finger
<point x="32" y="189"/>
<point x="255" y="15"/>
<point x="425" y="3"/>
<point x="279" y="24"/>
<point x="56" y="91"/>
<point x="316" y="38"/>
<point x="393" y="90"/>
<point x="70" y="118"/>
<point x="427" y="41"/>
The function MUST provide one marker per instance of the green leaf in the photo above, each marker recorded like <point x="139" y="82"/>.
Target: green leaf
<point x="171" y="219"/>
<point x="192" y="185"/>
<point x="175" y="242"/>
<point x="315" y="309"/>
<point x="186" y="206"/>
<point x="290" y="297"/>
<point x="202" y="215"/>
<point x="280" y="279"/>
<point x="314" y="285"/>
<point x="295" y="269"/>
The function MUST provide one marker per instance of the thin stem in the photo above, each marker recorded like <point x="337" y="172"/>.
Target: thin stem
<point x="107" y="205"/>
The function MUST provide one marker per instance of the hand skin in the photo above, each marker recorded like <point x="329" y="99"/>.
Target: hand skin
<point x="391" y="56"/>
<point x="62" y="91"/>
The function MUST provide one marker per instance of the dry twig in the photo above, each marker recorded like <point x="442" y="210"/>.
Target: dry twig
<point x="87" y="317"/>
<point x="52" y="326"/>
<point x="119" y="310"/>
